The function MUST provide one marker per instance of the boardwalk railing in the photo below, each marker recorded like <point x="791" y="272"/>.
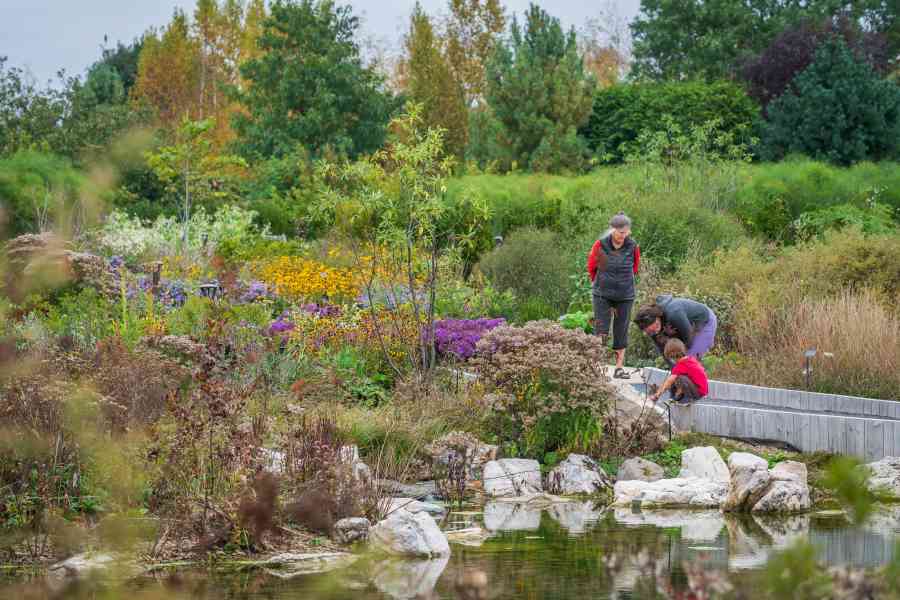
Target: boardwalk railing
<point x="807" y="421"/>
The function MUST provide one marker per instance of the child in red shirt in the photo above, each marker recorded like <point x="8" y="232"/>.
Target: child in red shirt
<point x="688" y="380"/>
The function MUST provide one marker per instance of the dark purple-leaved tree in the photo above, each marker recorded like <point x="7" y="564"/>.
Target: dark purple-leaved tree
<point x="769" y="74"/>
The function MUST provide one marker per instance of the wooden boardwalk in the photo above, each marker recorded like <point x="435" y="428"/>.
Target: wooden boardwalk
<point x="862" y="427"/>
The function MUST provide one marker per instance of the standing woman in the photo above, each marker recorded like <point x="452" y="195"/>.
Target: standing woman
<point x="612" y="265"/>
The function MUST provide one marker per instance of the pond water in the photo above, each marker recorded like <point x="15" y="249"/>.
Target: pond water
<point x="570" y="551"/>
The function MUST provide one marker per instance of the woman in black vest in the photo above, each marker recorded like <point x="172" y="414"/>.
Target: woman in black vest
<point x="612" y="264"/>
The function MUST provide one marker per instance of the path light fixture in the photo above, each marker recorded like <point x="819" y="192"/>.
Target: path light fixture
<point x="807" y="370"/>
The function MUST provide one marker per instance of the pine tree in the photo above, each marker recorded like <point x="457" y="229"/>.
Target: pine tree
<point x="538" y="88"/>
<point x="430" y="82"/>
<point x="838" y="109"/>
<point x="308" y="85"/>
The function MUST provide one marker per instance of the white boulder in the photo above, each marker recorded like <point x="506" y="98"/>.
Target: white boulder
<point x="409" y="534"/>
<point x="704" y="462"/>
<point x="347" y="531"/>
<point x="512" y="477"/>
<point x="884" y="476"/>
<point x="578" y="474"/>
<point x="639" y="469"/>
<point x="672" y="493"/>
<point x="788" y="491"/>
<point x="750" y="479"/>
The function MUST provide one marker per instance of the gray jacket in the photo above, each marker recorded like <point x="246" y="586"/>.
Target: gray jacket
<point x="682" y="317"/>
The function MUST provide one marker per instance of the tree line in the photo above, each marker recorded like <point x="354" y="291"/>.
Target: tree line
<point x="292" y="78"/>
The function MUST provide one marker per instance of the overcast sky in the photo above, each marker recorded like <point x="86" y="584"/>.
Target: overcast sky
<point x="44" y="36"/>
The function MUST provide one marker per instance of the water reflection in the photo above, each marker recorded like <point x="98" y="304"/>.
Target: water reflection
<point x="578" y="550"/>
<point x="406" y="579"/>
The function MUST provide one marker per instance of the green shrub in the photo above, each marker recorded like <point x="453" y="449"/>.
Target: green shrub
<point x="533" y="265"/>
<point x="82" y="318"/>
<point x="874" y="220"/>
<point x="838" y="109"/>
<point x="775" y="196"/>
<point x="622" y="112"/>
<point x="39" y="191"/>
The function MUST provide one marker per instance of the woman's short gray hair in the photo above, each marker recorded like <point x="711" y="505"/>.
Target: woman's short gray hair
<point x="619" y="221"/>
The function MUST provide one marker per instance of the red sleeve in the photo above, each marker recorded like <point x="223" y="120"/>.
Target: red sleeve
<point x="592" y="260"/>
<point x="637" y="258"/>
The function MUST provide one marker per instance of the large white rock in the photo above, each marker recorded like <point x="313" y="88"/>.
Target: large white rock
<point x="788" y="491"/>
<point x="750" y="480"/>
<point x="407" y="579"/>
<point x="671" y="493"/>
<point x="695" y="525"/>
<point x="512" y="516"/>
<point x="457" y="447"/>
<point x="347" y="531"/>
<point x="704" y="462"/>
<point x="575" y="517"/>
<point x="512" y="477"/>
<point x="578" y="474"/>
<point x="406" y="534"/>
<point x="884" y="476"/>
<point x="639" y="469"/>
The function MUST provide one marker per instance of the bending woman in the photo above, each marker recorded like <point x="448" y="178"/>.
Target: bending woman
<point x="612" y="264"/>
<point x="688" y="320"/>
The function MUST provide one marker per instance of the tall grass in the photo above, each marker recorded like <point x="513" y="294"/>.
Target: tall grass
<point x="858" y="344"/>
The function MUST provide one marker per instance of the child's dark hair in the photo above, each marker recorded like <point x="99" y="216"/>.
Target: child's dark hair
<point x="674" y="350"/>
<point x="646" y="316"/>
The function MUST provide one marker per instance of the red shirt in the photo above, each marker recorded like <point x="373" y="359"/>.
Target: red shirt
<point x="691" y="367"/>
<point x="593" y="259"/>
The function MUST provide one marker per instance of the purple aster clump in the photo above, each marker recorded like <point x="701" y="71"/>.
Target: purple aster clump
<point x="115" y="263"/>
<point x="256" y="290"/>
<point x="322" y="310"/>
<point x="281" y="325"/>
<point x="458" y="337"/>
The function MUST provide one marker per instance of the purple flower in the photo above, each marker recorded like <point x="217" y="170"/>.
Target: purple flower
<point x="116" y="262"/>
<point x="280" y="325"/>
<point x="458" y="337"/>
<point x="321" y="310"/>
<point x="255" y="291"/>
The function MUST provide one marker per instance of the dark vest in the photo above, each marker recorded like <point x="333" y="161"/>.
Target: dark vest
<point x="616" y="281"/>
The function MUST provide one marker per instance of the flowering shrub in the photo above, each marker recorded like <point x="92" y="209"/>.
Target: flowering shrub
<point x="129" y="238"/>
<point x="539" y="372"/>
<point x="330" y="331"/>
<point x="299" y="278"/>
<point x="457" y="337"/>
<point x="254" y="291"/>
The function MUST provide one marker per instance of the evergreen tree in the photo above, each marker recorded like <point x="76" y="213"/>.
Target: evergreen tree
<point x="838" y="109"/>
<point x="431" y="83"/>
<point x="540" y="91"/>
<point x="308" y="86"/>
